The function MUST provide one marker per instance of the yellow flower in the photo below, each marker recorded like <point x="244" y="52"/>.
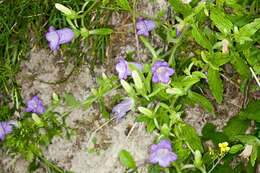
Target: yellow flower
<point x="223" y="147"/>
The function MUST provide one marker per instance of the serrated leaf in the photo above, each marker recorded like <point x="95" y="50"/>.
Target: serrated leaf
<point x="250" y="29"/>
<point x="200" y="99"/>
<point x="188" y="134"/>
<point x="126" y="159"/>
<point x="220" y="20"/>
<point x="215" y="84"/>
<point x="240" y="66"/>
<point x="200" y="38"/>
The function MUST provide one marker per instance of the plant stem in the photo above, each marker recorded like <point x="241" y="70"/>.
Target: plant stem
<point x="213" y="167"/>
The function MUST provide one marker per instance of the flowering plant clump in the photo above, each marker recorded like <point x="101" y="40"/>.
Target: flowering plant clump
<point x="190" y="42"/>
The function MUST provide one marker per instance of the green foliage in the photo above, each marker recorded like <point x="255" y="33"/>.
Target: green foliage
<point x="203" y="101"/>
<point x="124" y="5"/>
<point x="215" y="84"/>
<point x="252" y="111"/>
<point x="212" y="34"/>
<point x="34" y="133"/>
<point x="188" y="134"/>
<point x="235" y="126"/>
<point x="209" y="133"/>
<point x="200" y="38"/>
<point x="220" y="20"/>
<point x="127" y="159"/>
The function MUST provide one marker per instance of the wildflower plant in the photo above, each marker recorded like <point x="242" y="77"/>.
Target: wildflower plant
<point x="199" y="39"/>
<point x="34" y="131"/>
<point x="172" y="80"/>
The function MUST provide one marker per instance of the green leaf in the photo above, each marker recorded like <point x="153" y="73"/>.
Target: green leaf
<point x="154" y="169"/>
<point x="252" y="111"/>
<point x="200" y="38"/>
<point x="220" y="20"/>
<point x="209" y="133"/>
<point x="137" y="81"/>
<point x="236" y="148"/>
<point x="149" y="47"/>
<point x="180" y="7"/>
<point x="71" y="101"/>
<point x="240" y="66"/>
<point x="253" y="156"/>
<point x="89" y="101"/>
<point x="200" y="99"/>
<point x="248" y="139"/>
<point x="102" y="109"/>
<point x="188" y="134"/>
<point x="126" y="159"/>
<point x="250" y="29"/>
<point x="124" y="5"/>
<point x="235" y="126"/>
<point x="101" y="31"/>
<point x="145" y="111"/>
<point x="215" y="84"/>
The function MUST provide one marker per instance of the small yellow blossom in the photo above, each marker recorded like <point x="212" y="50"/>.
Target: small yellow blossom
<point x="223" y="147"/>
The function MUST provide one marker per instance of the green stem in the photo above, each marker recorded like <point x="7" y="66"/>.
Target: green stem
<point x="214" y="166"/>
<point x="50" y="164"/>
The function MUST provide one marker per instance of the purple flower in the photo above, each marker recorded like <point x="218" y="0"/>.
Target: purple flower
<point x="161" y="72"/>
<point x="123" y="69"/>
<point x="122" y="108"/>
<point x="57" y="37"/>
<point x="6" y="127"/>
<point x="35" y="105"/>
<point x="162" y="153"/>
<point x="144" y="27"/>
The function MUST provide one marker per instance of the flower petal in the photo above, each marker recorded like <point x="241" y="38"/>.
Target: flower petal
<point x="122" y="69"/>
<point x="155" y="78"/>
<point x="153" y="158"/>
<point x="53" y="39"/>
<point x="150" y="25"/>
<point x="65" y="35"/>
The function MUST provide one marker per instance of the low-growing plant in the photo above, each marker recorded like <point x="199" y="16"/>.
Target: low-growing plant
<point x="200" y="40"/>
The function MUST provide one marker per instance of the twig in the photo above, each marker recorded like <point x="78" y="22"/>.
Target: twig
<point x="130" y="132"/>
<point x="99" y="128"/>
<point x="227" y="79"/>
<point x="254" y="75"/>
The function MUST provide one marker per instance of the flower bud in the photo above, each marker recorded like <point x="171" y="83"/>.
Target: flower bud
<point x="68" y="12"/>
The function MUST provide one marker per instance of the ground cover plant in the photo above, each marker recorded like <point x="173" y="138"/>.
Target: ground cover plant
<point x="194" y="50"/>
